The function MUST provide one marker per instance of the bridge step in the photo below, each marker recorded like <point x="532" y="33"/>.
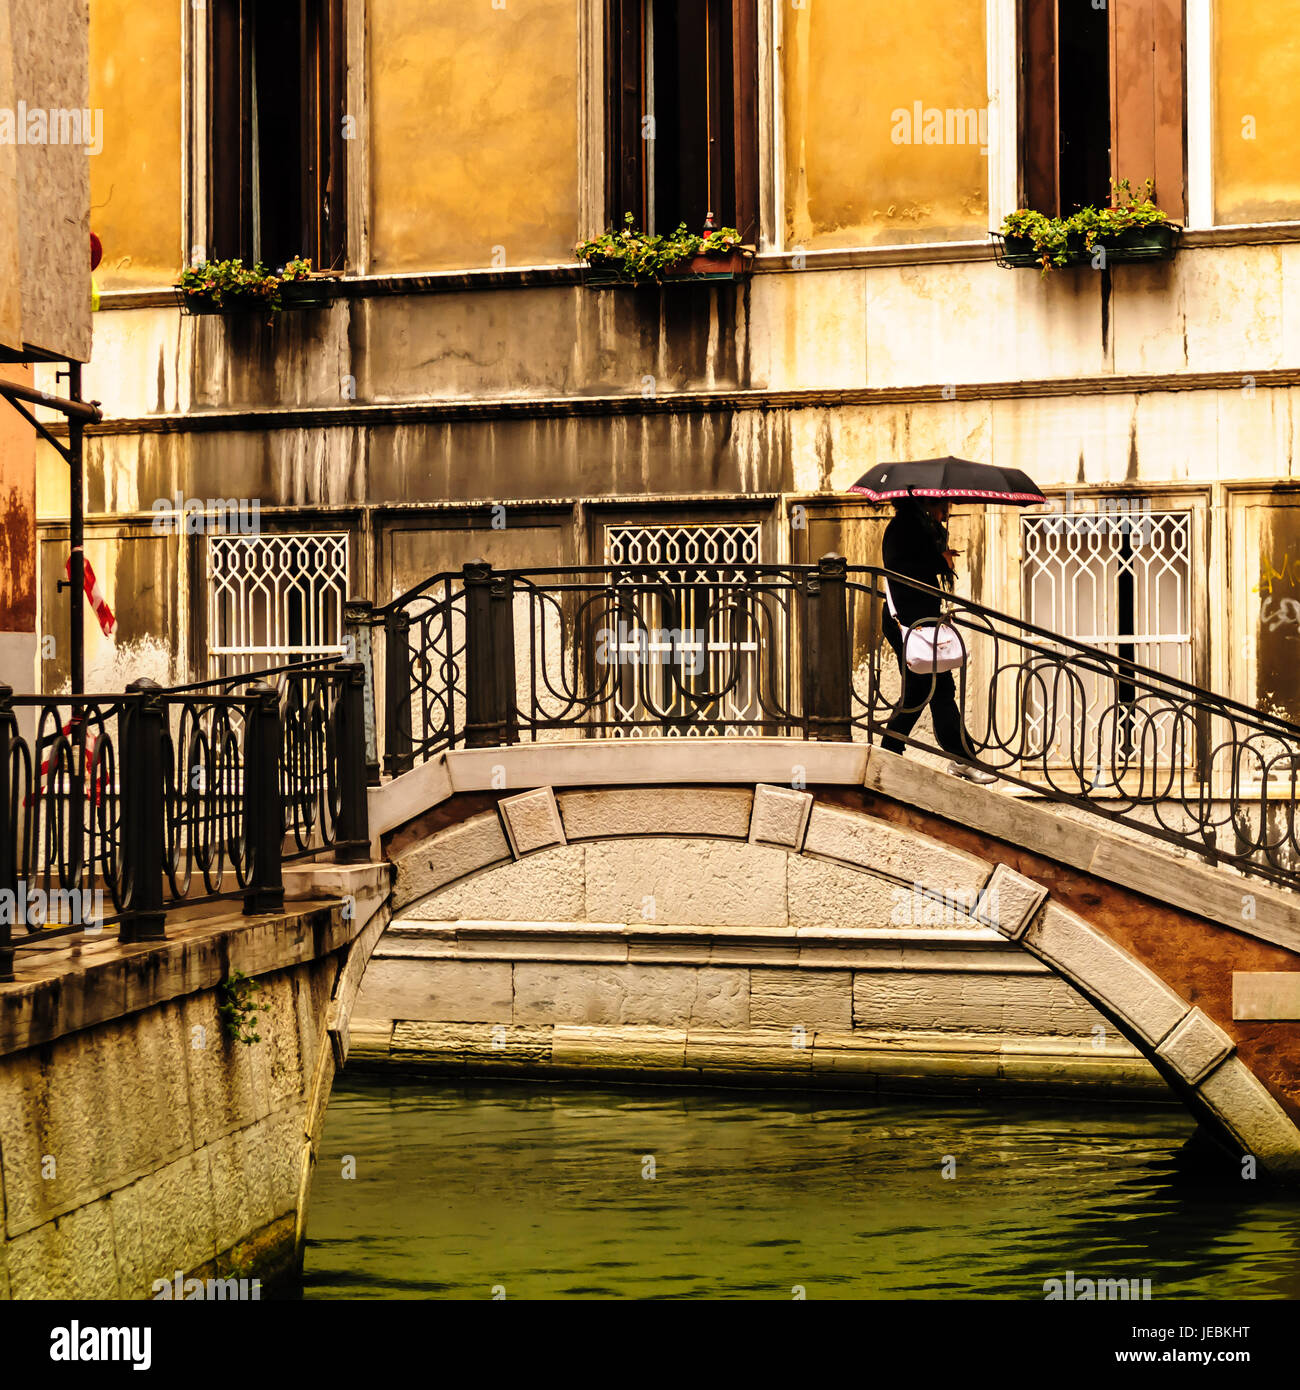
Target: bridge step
<point x="762" y="1057"/>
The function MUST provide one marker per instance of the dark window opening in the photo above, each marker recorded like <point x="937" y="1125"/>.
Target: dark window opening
<point x="1084" y="105"/>
<point x="277" y="74"/>
<point x="1102" y="97"/>
<point x="682" y="119"/>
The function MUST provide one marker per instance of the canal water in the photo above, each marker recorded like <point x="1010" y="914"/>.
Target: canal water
<point x="432" y="1190"/>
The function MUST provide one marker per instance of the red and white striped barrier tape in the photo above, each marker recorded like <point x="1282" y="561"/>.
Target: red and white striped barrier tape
<point x="104" y="614"/>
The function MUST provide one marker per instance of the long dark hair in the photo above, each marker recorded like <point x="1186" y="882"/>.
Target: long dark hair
<point x="915" y="513"/>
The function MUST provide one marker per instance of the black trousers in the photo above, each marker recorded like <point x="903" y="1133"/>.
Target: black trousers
<point x="939" y="691"/>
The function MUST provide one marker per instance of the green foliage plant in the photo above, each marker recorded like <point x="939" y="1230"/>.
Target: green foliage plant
<point x="1061" y="241"/>
<point x="233" y="285"/>
<point x="238" y="1005"/>
<point x="645" y="258"/>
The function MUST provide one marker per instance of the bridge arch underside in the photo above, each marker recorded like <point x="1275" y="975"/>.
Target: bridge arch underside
<point x="1160" y="974"/>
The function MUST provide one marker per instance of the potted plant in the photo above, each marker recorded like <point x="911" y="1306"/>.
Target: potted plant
<point x="628" y="256"/>
<point x="719" y="256"/>
<point x="1130" y="228"/>
<point x="301" y="287"/>
<point x="218" y="287"/>
<point x="1031" y="238"/>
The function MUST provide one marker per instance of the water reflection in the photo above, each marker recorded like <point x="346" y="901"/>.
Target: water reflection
<point x="574" y="1192"/>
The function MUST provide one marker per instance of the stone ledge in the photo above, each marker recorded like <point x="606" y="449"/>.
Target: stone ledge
<point x="1266" y="994"/>
<point x="836" y="948"/>
<point x="63" y="993"/>
<point x="778" y="1057"/>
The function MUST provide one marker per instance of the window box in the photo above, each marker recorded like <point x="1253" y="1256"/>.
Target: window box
<point x="731" y="265"/>
<point x="1143" y="243"/>
<point x="1130" y="228"/>
<point x="224" y="287"/>
<point x="192" y="302"/>
<point x="1136" y="244"/>
<point x="309" y="292"/>
<point x="630" y="257"/>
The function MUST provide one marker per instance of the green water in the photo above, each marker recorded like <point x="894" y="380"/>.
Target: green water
<point x="547" y="1192"/>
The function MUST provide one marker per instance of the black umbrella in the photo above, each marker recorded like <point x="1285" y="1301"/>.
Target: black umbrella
<point x="958" y="479"/>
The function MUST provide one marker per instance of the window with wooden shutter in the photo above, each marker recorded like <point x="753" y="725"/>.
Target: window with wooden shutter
<point x="682" y="114"/>
<point x="1101" y="98"/>
<point x="276" y="152"/>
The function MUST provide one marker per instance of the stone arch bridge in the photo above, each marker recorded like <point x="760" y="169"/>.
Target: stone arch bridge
<point x="796" y="852"/>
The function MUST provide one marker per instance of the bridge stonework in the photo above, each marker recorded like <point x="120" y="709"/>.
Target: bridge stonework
<point x="792" y="857"/>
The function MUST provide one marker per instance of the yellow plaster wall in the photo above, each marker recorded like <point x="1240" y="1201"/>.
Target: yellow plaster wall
<point x="849" y="66"/>
<point x="135" y="182"/>
<point x="473" y="130"/>
<point x="11" y="296"/>
<point x="1256" y="74"/>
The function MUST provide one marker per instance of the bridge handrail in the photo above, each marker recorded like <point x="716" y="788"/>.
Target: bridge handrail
<point x="948" y="599"/>
<point x="144" y="799"/>
<point x="480" y="657"/>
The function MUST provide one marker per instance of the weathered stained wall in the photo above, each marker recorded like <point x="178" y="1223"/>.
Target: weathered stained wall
<point x="1256" y="72"/>
<point x="49" y="56"/>
<point x="11" y="301"/>
<point x="135" y="181"/>
<point x="473" y="133"/>
<point x="859" y="173"/>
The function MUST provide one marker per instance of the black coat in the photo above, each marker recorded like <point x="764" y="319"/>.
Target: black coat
<point x="910" y="547"/>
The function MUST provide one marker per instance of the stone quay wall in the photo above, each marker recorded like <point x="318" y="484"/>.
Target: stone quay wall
<point x="138" y="1140"/>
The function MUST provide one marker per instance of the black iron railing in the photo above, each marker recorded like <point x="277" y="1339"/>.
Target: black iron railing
<point x="485" y="657"/>
<point x="115" y="808"/>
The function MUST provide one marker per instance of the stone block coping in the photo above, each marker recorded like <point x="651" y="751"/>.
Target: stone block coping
<point x="94" y="980"/>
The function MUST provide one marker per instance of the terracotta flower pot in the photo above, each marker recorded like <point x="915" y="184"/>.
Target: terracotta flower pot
<point x="729" y="266"/>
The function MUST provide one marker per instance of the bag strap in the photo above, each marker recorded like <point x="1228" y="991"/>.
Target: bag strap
<point x="945" y="614"/>
<point x="889" y="599"/>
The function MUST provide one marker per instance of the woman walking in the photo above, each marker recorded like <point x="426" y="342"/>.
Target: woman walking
<point x="916" y="546"/>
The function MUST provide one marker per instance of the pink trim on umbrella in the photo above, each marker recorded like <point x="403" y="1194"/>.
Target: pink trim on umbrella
<point x="985" y="496"/>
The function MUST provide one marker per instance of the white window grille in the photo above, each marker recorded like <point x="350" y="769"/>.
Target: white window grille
<point x="1119" y="581"/>
<point x="273" y="599"/>
<point x="691" y="636"/>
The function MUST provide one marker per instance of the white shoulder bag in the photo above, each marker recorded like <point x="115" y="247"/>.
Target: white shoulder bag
<point x="928" y="650"/>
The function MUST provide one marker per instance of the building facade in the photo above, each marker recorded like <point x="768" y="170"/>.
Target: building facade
<point x="45" y="306"/>
<point x="464" y="394"/>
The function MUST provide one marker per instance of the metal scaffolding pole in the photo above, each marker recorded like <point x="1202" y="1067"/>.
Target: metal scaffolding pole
<point x="79" y="414"/>
<point x="77" y="535"/>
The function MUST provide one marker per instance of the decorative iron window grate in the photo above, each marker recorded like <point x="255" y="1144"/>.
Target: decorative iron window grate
<point x="1120" y="581"/>
<point x="686" y="634"/>
<point x="274" y="599"/>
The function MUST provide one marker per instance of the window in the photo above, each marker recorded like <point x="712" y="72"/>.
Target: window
<point x="1101" y="97"/>
<point x="1120" y="581"/>
<point x="276" y="151"/>
<point x="274" y="599"/>
<point x="686" y="645"/>
<point x="682" y="127"/>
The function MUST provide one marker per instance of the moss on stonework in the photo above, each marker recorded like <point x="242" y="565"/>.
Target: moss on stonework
<point x="268" y="1254"/>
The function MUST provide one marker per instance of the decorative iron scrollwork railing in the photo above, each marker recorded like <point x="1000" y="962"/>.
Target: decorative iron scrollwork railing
<point x="115" y="808"/>
<point x="485" y="657"/>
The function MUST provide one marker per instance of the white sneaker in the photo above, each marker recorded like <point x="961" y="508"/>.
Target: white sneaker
<point x="971" y="774"/>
